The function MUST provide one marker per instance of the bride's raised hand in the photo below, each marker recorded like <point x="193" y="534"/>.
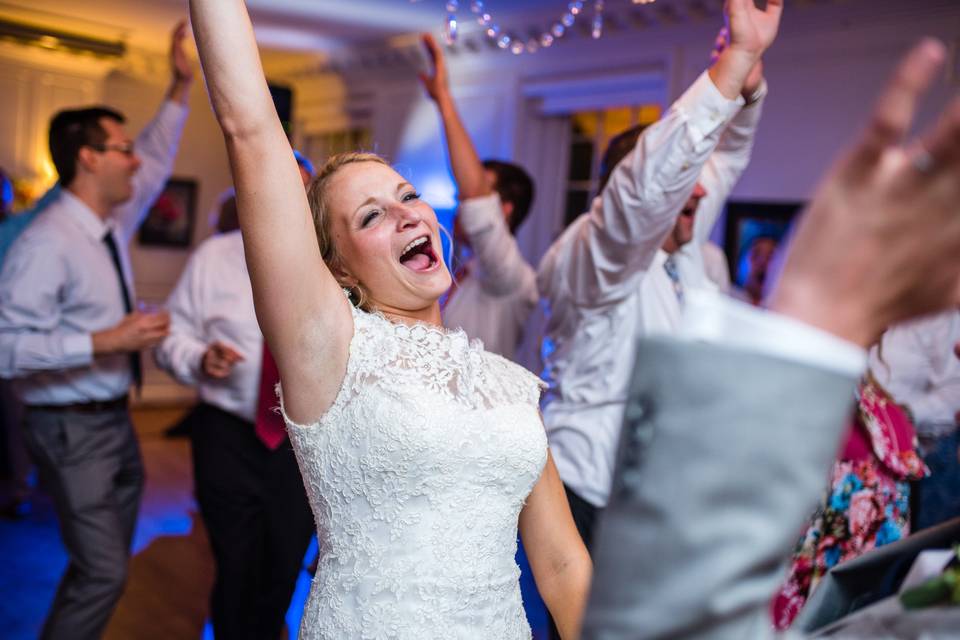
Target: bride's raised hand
<point x="306" y="321"/>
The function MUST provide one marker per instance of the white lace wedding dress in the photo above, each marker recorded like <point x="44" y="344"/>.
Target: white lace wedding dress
<point x="416" y="476"/>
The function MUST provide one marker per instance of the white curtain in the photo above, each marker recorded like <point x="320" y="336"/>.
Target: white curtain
<point x="542" y="146"/>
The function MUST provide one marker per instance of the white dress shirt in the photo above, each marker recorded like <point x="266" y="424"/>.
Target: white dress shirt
<point x="716" y="265"/>
<point x="605" y="282"/>
<point x="494" y="299"/>
<point x="213" y="301"/>
<point x="59" y="285"/>
<point x="915" y="362"/>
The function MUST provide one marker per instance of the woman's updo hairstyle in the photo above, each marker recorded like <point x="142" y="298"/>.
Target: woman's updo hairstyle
<point x="319" y="208"/>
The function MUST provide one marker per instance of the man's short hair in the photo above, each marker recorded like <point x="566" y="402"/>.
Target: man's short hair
<point x="618" y="148"/>
<point x="514" y="186"/>
<point x="75" y="128"/>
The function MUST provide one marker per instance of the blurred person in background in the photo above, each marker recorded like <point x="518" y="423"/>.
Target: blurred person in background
<point x="246" y="478"/>
<point x="494" y="289"/>
<point x="916" y="363"/>
<point x="758" y="259"/>
<point x="71" y="337"/>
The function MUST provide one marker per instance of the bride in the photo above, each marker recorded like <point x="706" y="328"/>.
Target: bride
<point x="421" y="452"/>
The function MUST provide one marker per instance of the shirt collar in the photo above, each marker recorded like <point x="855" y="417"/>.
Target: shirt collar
<point x="660" y="257"/>
<point x="84" y="217"/>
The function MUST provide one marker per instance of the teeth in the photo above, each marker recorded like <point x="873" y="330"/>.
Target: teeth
<point x="413" y="244"/>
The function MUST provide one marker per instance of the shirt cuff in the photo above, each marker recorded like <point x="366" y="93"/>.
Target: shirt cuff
<point x="706" y="107"/>
<point x="712" y="317"/>
<point x="182" y="357"/>
<point x="477" y="214"/>
<point x="194" y="361"/>
<point x="77" y="350"/>
<point x="757" y="95"/>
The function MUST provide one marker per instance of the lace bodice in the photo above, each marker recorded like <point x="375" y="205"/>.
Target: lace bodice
<point x="416" y="476"/>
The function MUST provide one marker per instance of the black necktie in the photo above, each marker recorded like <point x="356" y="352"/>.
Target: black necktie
<point x="136" y="366"/>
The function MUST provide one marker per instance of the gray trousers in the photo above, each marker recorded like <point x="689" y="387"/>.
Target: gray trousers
<point x="90" y="464"/>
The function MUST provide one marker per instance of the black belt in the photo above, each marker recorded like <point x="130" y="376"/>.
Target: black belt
<point x="96" y="406"/>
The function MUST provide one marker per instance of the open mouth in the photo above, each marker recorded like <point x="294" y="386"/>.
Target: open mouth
<point x="419" y="255"/>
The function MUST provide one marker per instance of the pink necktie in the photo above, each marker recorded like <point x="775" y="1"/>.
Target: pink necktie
<point x="269" y="425"/>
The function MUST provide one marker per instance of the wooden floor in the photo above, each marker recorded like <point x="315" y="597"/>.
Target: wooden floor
<point x="170" y="573"/>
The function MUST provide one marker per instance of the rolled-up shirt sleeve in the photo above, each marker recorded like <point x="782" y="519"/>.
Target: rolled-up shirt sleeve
<point x="597" y="256"/>
<point x="726" y="164"/>
<point x="156" y="147"/>
<point x="32" y="337"/>
<point x="502" y="270"/>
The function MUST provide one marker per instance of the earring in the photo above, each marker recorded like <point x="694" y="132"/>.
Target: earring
<point x="361" y="297"/>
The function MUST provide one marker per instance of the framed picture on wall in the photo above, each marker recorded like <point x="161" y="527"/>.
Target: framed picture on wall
<point x="753" y="231"/>
<point x="172" y="216"/>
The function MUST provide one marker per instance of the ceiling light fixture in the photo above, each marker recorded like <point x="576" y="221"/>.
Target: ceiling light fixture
<point x="56" y="40"/>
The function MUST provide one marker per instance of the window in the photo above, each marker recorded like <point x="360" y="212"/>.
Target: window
<point x="591" y="131"/>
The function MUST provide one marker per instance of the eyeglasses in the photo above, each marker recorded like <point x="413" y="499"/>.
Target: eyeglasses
<point x="126" y="148"/>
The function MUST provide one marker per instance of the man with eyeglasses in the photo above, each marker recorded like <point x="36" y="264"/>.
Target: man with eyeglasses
<point x="70" y="337"/>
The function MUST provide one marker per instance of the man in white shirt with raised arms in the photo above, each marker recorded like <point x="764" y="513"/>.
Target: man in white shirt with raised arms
<point x="247" y="481"/>
<point x="496" y="290"/>
<point x="621" y="271"/>
<point x="701" y="521"/>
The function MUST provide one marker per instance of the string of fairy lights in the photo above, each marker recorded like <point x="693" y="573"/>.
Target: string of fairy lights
<point x="574" y="11"/>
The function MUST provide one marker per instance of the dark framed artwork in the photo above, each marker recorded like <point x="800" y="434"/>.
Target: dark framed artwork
<point x="172" y="216"/>
<point x="748" y="222"/>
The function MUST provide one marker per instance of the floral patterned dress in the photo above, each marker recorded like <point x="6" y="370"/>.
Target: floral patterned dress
<point x="867" y="503"/>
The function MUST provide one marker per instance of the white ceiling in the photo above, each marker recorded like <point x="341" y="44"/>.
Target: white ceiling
<point x="295" y="34"/>
<point x="283" y="24"/>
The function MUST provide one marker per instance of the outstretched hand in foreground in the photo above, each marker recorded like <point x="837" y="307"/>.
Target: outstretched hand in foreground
<point x="880" y="242"/>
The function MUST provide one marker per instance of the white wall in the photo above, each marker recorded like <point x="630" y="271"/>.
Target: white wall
<point x="35" y="86"/>
<point x="822" y="89"/>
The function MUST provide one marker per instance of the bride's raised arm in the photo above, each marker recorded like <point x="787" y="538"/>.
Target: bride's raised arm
<point x="300" y="307"/>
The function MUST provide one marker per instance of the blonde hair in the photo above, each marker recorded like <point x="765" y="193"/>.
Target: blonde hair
<point x="317" y="194"/>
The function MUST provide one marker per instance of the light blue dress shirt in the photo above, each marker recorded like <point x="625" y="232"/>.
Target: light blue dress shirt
<point x="58" y="284"/>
